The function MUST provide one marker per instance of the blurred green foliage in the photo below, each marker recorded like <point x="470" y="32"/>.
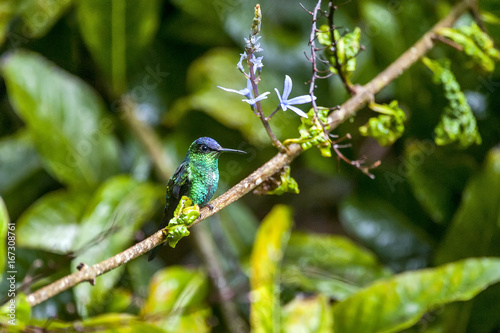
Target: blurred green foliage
<point x="416" y="249"/>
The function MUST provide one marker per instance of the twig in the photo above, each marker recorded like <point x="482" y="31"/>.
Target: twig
<point x="312" y="44"/>
<point x="312" y="86"/>
<point x="338" y="66"/>
<point x="448" y="42"/>
<point x="346" y="110"/>
<point x="258" y="106"/>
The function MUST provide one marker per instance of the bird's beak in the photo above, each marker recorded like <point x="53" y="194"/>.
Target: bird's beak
<point x="227" y="150"/>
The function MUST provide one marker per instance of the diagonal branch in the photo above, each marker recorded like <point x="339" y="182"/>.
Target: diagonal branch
<point x="274" y="165"/>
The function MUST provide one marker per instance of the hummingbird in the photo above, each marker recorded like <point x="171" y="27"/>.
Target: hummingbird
<point x="196" y="177"/>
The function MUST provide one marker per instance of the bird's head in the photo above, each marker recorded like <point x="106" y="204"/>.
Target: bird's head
<point x="208" y="147"/>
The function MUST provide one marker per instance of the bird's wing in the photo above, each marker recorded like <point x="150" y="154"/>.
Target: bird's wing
<point x="177" y="186"/>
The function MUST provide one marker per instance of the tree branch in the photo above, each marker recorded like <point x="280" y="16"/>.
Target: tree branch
<point x="346" y="110"/>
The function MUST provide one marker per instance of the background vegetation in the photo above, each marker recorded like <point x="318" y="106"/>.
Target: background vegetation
<point x="81" y="187"/>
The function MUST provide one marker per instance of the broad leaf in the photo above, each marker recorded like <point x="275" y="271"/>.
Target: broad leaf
<point x="36" y="18"/>
<point x="265" y="260"/>
<point x="475" y="231"/>
<point x="118" y="209"/>
<point x="116" y="33"/>
<point x="332" y="265"/>
<point x="65" y="118"/>
<point x="428" y="173"/>
<point x="475" y="228"/>
<point x="18" y="159"/>
<point x="387" y="231"/>
<point x="176" y="300"/>
<point x="399" y="302"/>
<point x="52" y="222"/>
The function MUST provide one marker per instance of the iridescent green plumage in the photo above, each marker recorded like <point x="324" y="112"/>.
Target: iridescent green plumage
<point x="197" y="178"/>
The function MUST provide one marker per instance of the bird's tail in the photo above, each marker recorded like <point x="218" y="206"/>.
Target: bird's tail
<point x="153" y="253"/>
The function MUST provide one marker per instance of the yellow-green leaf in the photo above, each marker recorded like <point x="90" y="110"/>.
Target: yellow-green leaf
<point x="4" y="226"/>
<point x="265" y="261"/>
<point x="176" y="300"/>
<point x="303" y="315"/>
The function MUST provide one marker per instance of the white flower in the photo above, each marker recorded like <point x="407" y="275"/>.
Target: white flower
<point x="286" y="103"/>
<point x="248" y="93"/>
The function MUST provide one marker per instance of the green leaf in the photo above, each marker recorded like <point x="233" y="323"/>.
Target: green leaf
<point x="265" y="260"/>
<point x="116" y="211"/>
<point x="36" y="18"/>
<point x="4" y="227"/>
<point x="331" y="265"/>
<point x="275" y="186"/>
<point x="303" y="315"/>
<point x="176" y="300"/>
<point x="457" y="124"/>
<point x="176" y="233"/>
<point x="312" y="133"/>
<point x="52" y="223"/>
<point x="65" y="118"/>
<point x="15" y="313"/>
<point x="118" y="322"/>
<point x="19" y="159"/>
<point x="475" y="231"/>
<point x="397" y="303"/>
<point x="185" y="214"/>
<point x="476" y="44"/>
<point x="490" y="18"/>
<point x="475" y="228"/>
<point x="388" y="127"/>
<point x="106" y="323"/>
<point x="117" y="32"/>
<point x="346" y="49"/>
<point x="385" y="230"/>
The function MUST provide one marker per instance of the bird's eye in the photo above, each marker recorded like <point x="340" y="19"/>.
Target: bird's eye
<point x="204" y="148"/>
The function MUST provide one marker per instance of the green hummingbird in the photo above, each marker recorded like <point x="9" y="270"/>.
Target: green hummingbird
<point x="197" y="178"/>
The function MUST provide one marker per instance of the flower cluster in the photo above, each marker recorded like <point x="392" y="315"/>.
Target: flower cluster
<point x="255" y="65"/>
